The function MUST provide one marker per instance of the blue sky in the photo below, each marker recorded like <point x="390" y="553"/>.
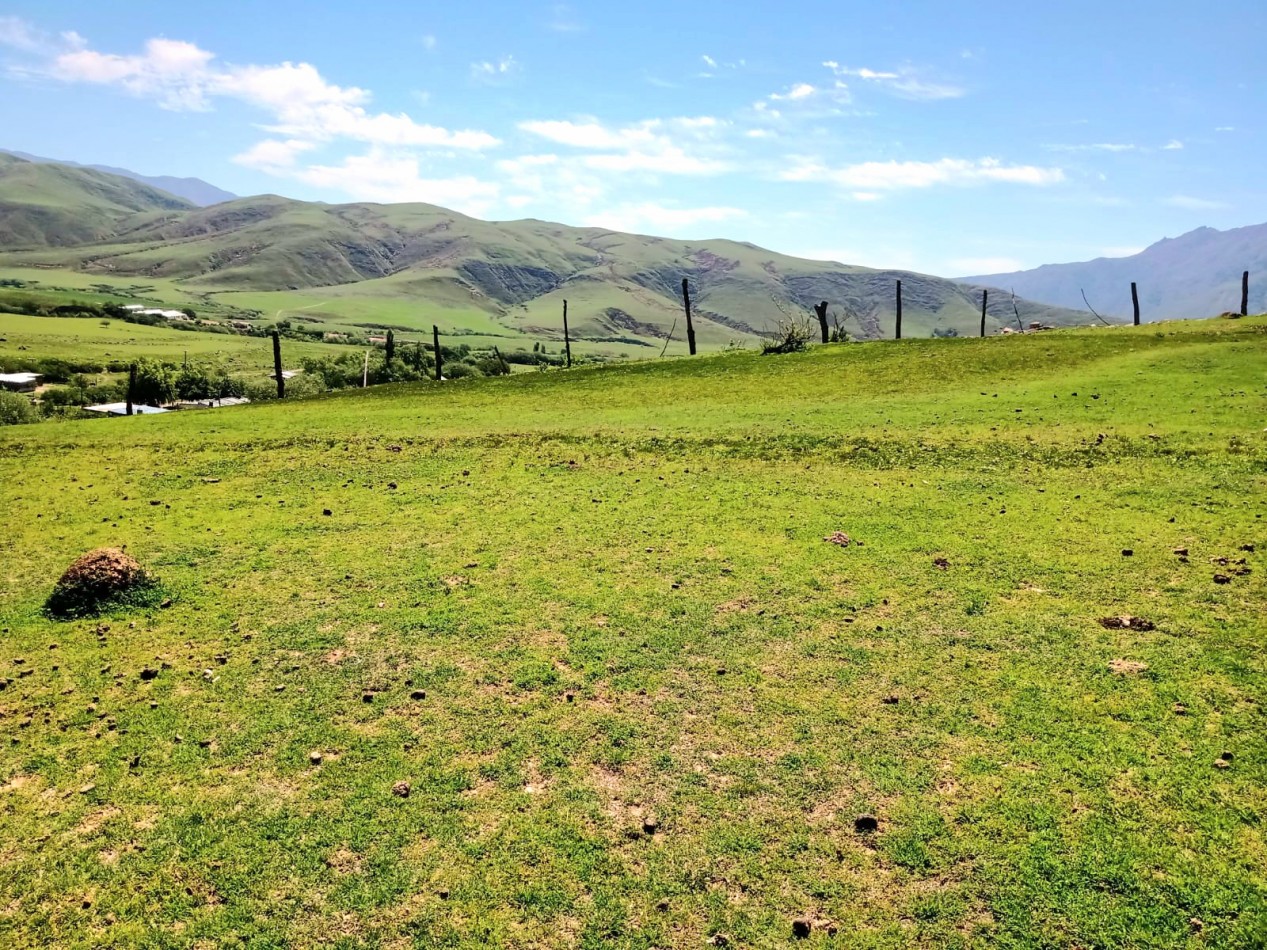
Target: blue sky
<point x="951" y="138"/>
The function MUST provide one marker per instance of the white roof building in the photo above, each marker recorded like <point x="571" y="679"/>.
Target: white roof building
<point x="121" y="409"/>
<point x="20" y="381"/>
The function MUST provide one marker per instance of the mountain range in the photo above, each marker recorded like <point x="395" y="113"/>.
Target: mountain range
<point x="512" y="274"/>
<point x="1194" y="275"/>
<point x="194" y="190"/>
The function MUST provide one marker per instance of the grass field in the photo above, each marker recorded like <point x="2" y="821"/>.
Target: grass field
<point x="74" y="338"/>
<point x="591" y="619"/>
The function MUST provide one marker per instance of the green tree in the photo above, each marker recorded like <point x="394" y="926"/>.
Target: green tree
<point x="155" y="383"/>
<point x="16" y="409"/>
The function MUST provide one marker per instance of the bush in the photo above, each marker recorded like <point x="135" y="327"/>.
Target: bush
<point x="791" y="336"/>
<point x="16" y="409"/>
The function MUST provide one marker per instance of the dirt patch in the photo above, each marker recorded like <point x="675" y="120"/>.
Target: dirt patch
<point x="838" y="537"/>
<point x="1126" y="622"/>
<point x="100" y="579"/>
<point x="1127" y="667"/>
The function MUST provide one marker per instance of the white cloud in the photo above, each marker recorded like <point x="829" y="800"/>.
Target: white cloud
<point x="429" y="42"/>
<point x="1189" y="203"/>
<point x="906" y="84"/>
<point x="709" y="61"/>
<point x="802" y="90"/>
<point x="892" y="175"/>
<point x="494" y="72"/>
<point x="18" y="34"/>
<point x="1225" y="128"/>
<point x="1173" y="145"/>
<point x="653" y="145"/>
<point x="661" y="219"/>
<point x="272" y="155"/>
<point x="303" y="105"/>
<point x="384" y="176"/>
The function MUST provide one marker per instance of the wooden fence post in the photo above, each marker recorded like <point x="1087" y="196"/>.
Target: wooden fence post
<point x="899" y="310"/>
<point x="985" y="299"/>
<point x="277" y="365"/>
<point x="1245" y="294"/>
<point x="435" y="335"/>
<point x="821" y="310"/>
<point x="1135" y="301"/>
<point x="567" y="340"/>
<point x="131" y="385"/>
<point x="690" y="327"/>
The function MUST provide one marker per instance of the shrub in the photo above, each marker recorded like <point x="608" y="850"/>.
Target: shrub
<point x="16" y="409"/>
<point x="791" y="335"/>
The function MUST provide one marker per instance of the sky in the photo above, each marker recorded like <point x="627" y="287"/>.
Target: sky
<point x="945" y="137"/>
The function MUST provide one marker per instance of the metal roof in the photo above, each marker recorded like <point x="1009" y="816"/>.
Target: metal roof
<point x="121" y="409"/>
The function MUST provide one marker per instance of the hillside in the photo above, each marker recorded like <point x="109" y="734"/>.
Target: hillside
<point x="1194" y="275"/>
<point x="56" y="205"/>
<point x="194" y="190"/>
<point x="565" y="659"/>
<point x="505" y="276"/>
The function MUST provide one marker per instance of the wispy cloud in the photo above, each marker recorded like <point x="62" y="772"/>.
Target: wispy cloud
<point x="1094" y="147"/>
<point x="495" y="71"/>
<point x="1189" y="203"/>
<point x="653" y="145"/>
<point x="1174" y="145"/>
<point x="709" y="61"/>
<point x="429" y="42"/>
<point x="905" y="83"/>
<point x="564" y="19"/>
<point x="869" y="177"/>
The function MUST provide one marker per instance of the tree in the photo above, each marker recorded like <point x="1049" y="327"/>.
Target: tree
<point x="155" y="383"/>
<point x="16" y="409"/>
<point x="391" y="348"/>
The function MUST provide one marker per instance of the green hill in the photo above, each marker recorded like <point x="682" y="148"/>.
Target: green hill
<point x="566" y="659"/>
<point x="59" y="205"/>
<point x="499" y="277"/>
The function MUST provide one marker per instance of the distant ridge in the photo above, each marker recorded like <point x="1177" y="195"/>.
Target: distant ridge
<point x="516" y="274"/>
<point x="1197" y="274"/>
<point x="194" y="190"/>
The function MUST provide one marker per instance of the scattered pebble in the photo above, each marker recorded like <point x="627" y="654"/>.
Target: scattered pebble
<point x="838" y="537"/>
<point x="650" y="826"/>
<point x="1222" y="579"/>
<point x="148" y="673"/>
<point x="314" y="758"/>
<point x="401" y="789"/>
<point x="865" y="824"/>
<point x="802" y="927"/>
<point x="418" y="694"/>
<point x="1128" y="552"/>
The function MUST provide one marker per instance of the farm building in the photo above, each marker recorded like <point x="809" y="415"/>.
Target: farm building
<point x="20" y="382"/>
<point x="212" y="403"/>
<point x="121" y="409"/>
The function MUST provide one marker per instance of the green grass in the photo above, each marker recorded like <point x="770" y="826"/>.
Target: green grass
<point x="612" y="586"/>
<point x="76" y="338"/>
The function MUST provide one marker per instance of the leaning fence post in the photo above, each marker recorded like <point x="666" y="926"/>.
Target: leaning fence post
<point x="1135" y="301"/>
<point x="690" y="327"/>
<point x="899" y="310"/>
<point x="435" y="334"/>
<point x="131" y="385"/>
<point x="1245" y="294"/>
<point x="821" y="310"/>
<point x="277" y="365"/>
<point x="567" y="340"/>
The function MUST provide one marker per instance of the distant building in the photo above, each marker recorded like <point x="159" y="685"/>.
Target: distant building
<point x="20" y="382"/>
<point x="212" y="403"/>
<point x="121" y="409"/>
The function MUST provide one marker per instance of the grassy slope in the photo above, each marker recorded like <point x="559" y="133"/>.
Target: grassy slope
<point x="446" y="268"/>
<point x="82" y="339"/>
<point x="648" y="538"/>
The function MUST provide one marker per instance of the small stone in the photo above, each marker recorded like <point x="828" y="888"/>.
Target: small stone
<point x="167" y="602"/>
<point x="802" y="927"/>
<point x="1222" y="579"/>
<point x="1227" y="757"/>
<point x="391" y="485"/>
<point x="941" y="563"/>
<point x="367" y="697"/>
<point x="650" y="826"/>
<point x="1196" y="923"/>
<point x="570" y="697"/>
<point x="279" y="689"/>
<point x="720" y="940"/>
<point x="865" y="824"/>
<point x="148" y="673"/>
<point x="1179" y="709"/>
<point x="87" y="789"/>
<point x="1128" y="552"/>
<point x="662" y="906"/>
<point x="401" y="789"/>
<point x="1181" y="552"/>
<point x="314" y="758"/>
<point x="1222" y="764"/>
<point x="327" y="512"/>
<point x="891" y="700"/>
<point x="418" y="694"/>
<point x="442" y="894"/>
<point x="1247" y="548"/>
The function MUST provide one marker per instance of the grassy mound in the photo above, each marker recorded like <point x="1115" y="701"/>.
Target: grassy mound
<point x="100" y="580"/>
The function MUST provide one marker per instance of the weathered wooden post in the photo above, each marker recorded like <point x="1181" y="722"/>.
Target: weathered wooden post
<point x="131" y="386"/>
<point x="277" y="365"/>
<point x="985" y="298"/>
<point x="899" y="310"/>
<point x="567" y="340"/>
<point x="435" y="334"/>
<point x="1245" y="294"/>
<point x="391" y="348"/>
<point x="365" y="371"/>
<point x="690" y="327"/>
<point x="1135" y="301"/>
<point x="821" y="310"/>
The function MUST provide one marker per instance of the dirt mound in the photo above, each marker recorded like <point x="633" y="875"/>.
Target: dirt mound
<point x="98" y="580"/>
